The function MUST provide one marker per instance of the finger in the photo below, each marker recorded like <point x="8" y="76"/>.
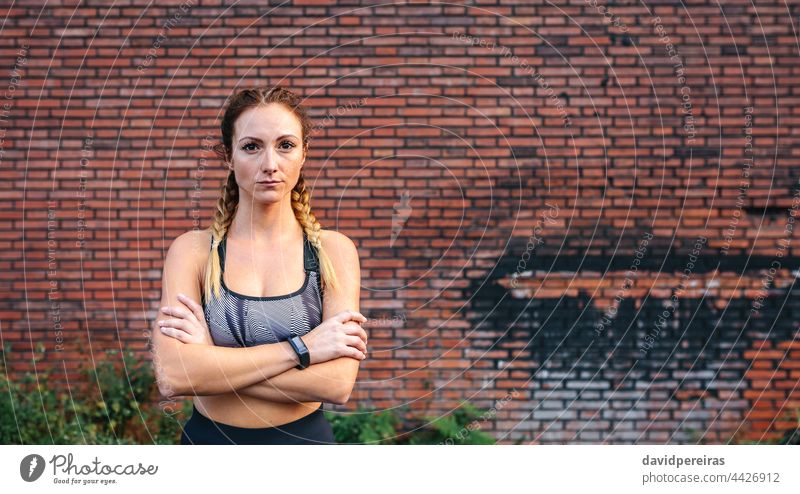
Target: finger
<point x="353" y="327"/>
<point x="356" y="342"/>
<point x="177" y="311"/>
<point x="169" y="322"/>
<point x="343" y="316"/>
<point x="362" y="333"/>
<point x="357" y="316"/>
<point x="175" y="333"/>
<point x="356" y="330"/>
<point x="186" y="310"/>
<point x="181" y="324"/>
<point x="350" y="315"/>
<point x="355" y="353"/>
<point x="193" y="306"/>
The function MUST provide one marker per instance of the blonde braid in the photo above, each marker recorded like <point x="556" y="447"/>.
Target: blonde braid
<point x="301" y="204"/>
<point x="223" y="216"/>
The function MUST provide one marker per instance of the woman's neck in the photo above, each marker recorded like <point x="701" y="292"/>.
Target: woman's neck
<point x="265" y="223"/>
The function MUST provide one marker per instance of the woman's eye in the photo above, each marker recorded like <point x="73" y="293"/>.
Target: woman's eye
<point x="291" y="145"/>
<point x="246" y="147"/>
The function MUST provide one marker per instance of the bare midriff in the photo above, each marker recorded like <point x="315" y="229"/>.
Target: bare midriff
<point x="250" y="412"/>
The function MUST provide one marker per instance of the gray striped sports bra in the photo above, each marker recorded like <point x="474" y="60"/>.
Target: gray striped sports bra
<point x="237" y="320"/>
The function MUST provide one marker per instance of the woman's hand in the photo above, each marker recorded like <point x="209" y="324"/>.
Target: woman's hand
<point x="188" y="324"/>
<point x="337" y="337"/>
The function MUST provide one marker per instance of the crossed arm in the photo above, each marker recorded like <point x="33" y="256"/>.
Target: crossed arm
<point x="265" y="371"/>
<point x="330" y="381"/>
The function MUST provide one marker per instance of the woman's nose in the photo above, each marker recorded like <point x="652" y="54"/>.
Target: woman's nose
<point x="268" y="163"/>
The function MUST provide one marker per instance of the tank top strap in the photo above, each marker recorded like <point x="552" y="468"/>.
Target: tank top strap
<point x="221" y="251"/>
<point x="310" y="261"/>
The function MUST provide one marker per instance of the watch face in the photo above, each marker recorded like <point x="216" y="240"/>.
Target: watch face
<point x="302" y="351"/>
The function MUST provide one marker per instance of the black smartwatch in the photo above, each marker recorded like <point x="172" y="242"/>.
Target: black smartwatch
<point x="302" y="351"/>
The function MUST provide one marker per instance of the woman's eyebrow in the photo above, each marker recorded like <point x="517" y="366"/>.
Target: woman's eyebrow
<point x="257" y="139"/>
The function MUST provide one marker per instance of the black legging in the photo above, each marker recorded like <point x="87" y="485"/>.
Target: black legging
<point x="314" y="428"/>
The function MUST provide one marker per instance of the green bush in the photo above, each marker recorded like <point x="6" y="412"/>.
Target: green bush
<point x="792" y="436"/>
<point x="114" y="404"/>
<point x="364" y="426"/>
<point x="462" y="426"/>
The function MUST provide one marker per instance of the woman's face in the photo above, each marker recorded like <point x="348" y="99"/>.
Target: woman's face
<point x="267" y="147"/>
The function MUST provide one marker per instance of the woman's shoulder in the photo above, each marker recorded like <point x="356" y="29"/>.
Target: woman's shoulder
<point x="193" y="245"/>
<point x="334" y="239"/>
<point x="340" y="248"/>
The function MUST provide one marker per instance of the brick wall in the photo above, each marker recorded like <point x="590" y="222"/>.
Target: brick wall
<point x="579" y="214"/>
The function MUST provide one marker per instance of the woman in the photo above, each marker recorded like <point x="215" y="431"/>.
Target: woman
<point x="258" y="355"/>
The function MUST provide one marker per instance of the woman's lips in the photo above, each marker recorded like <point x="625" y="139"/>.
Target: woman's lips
<point x="268" y="184"/>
